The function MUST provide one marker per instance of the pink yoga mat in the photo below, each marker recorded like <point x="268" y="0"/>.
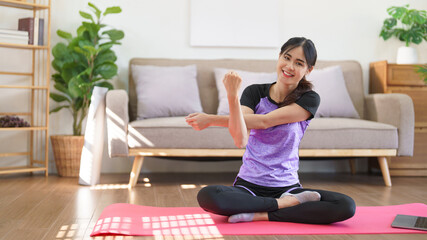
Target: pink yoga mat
<point x="135" y="220"/>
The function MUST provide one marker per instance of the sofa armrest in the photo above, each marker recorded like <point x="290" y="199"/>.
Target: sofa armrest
<point x="117" y="122"/>
<point x="395" y="109"/>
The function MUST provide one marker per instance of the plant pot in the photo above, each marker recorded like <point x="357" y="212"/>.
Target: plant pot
<point x="406" y="55"/>
<point x="67" y="150"/>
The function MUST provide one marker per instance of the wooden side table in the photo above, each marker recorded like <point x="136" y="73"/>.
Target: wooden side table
<point x="401" y="78"/>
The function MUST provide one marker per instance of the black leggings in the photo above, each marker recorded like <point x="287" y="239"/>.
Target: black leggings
<point x="246" y="197"/>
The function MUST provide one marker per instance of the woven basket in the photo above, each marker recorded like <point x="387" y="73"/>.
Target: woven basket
<point x="67" y="151"/>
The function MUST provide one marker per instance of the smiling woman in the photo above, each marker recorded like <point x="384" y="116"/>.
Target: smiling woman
<point x="270" y="122"/>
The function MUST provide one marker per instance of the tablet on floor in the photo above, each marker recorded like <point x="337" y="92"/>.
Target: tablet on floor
<point x="411" y="222"/>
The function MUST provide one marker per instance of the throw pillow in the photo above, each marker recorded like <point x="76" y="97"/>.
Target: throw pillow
<point x="335" y="101"/>
<point x="166" y="91"/>
<point x="248" y="78"/>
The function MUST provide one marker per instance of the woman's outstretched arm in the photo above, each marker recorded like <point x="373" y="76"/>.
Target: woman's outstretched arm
<point x="283" y="115"/>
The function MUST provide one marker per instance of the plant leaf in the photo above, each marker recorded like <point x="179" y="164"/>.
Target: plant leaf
<point x="90" y="49"/>
<point x="115" y="35"/>
<point x="93" y="30"/>
<point x="60" y="87"/>
<point x="97" y="79"/>
<point x="59" y="50"/>
<point x="106" y="70"/>
<point x="58" y="108"/>
<point x="389" y="23"/>
<point x="59" y="63"/>
<point x="386" y="34"/>
<point x="57" y="78"/>
<point x="69" y="71"/>
<point x="81" y="30"/>
<point x="77" y="104"/>
<point x="105" y="46"/>
<point x="406" y="18"/>
<point x="83" y="52"/>
<point x="74" y="87"/>
<point x="422" y="70"/>
<point x="95" y="10"/>
<point x="64" y="35"/>
<point x="105" y="56"/>
<point x="105" y="84"/>
<point x="58" y="97"/>
<point x="397" y="12"/>
<point x="86" y="15"/>
<point x="415" y="35"/>
<point x="112" y="10"/>
<point x="419" y="17"/>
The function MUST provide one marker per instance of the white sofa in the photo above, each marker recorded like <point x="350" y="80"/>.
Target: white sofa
<point x="385" y="127"/>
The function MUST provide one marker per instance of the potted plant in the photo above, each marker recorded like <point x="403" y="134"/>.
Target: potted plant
<point x="407" y="25"/>
<point x="83" y="62"/>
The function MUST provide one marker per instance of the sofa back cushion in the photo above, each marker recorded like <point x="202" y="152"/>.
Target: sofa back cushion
<point x="207" y="85"/>
<point x="335" y="101"/>
<point x="166" y="91"/>
<point x="248" y="78"/>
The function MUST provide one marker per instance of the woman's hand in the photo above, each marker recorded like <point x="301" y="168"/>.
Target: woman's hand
<point x="198" y="121"/>
<point x="232" y="82"/>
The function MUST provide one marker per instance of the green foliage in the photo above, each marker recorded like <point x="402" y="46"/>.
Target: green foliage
<point x="83" y="62"/>
<point x="408" y="25"/>
<point x="422" y="70"/>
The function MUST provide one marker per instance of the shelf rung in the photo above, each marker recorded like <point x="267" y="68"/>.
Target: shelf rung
<point x="12" y="154"/>
<point x="16" y="73"/>
<point x="23" y="5"/>
<point x="15" y="113"/>
<point x="23" y="129"/>
<point x="21" y="169"/>
<point x="22" y="46"/>
<point x="38" y="162"/>
<point x="23" y="87"/>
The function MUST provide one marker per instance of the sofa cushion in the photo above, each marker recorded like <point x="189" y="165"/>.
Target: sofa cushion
<point x="248" y="78"/>
<point x="342" y="133"/>
<point x="166" y="91"/>
<point x="326" y="133"/>
<point x="335" y="101"/>
<point x="173" y="132"/>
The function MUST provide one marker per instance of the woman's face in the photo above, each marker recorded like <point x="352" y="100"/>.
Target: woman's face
<point x="292" y="67"/>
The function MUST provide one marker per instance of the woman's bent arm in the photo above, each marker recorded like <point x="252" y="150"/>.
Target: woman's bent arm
<point x="236" y="122"/>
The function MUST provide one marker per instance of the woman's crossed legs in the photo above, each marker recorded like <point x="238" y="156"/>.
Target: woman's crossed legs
<point x="232" y="200"/>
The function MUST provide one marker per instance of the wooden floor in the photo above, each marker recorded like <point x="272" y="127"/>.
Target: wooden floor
<point x="35" y="207"/>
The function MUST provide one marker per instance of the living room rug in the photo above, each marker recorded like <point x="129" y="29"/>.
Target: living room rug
<point x="136" y="220"/>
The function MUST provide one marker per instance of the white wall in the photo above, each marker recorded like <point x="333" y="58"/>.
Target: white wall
<point x="341" y="30"/>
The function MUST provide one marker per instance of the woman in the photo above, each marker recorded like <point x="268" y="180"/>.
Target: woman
<point x="270" y="121"/>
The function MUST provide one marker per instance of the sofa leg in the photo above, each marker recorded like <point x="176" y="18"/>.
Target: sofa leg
<point x="352" y="166"/>
<point x="384" y="170"/>
<point x="136" y="169"/>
